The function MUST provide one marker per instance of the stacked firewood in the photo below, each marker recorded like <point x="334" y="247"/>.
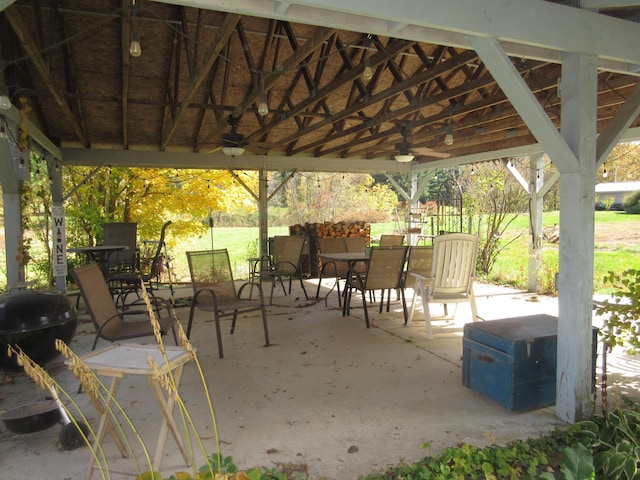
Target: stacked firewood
<point x="328" y="229"/>
<point x="343" y="229"/>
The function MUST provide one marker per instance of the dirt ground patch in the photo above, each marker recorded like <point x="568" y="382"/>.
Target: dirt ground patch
<point x="606" y="235"/>
<point x="624" y="233"/>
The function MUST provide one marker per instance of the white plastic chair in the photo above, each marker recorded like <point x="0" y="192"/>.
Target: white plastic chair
<point x="452" y="273"/>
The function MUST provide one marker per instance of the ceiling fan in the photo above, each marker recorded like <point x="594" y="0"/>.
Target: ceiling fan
<point x="234" y="143"/>
<point x="406" y="152"/>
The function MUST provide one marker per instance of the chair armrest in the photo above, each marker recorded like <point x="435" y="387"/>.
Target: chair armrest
<point x="251" y="285"/>
<point x="101" y="327"/>
<point x="214" y="297"/>
<point x="420" y="276"/>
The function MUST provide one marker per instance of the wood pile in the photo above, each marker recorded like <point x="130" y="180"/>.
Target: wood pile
<point x="343" y="230"/>
<point x="327" y="230"/>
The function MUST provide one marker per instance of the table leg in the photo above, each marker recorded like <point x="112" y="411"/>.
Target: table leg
<point x="167" y="402"/>
<point x="105" y="422"/>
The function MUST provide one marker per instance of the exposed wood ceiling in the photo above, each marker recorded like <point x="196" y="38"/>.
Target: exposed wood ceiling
<point x="69" y="62"/>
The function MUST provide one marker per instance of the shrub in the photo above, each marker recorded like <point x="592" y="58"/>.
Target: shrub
<point x="632" y="203"/>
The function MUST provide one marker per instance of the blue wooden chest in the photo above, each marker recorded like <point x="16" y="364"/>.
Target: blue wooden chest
<point x="513" y="361"/>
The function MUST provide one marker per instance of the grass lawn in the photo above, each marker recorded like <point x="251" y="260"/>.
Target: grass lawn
<point x="617" y="248"/>
<point x="242" y="244"/>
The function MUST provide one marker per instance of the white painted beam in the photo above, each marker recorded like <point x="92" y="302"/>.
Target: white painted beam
<point x="543" y="27"/>
<point x="617" y="126"/>
<point x="525" y="103"/>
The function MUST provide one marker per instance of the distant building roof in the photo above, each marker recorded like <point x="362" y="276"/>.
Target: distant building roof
<point x="617" y="187"/>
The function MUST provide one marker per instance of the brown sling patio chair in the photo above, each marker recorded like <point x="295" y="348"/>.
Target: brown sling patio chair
<point x="357" y="244"/>
<point x="419" y="260"/>
<point x="384" y="272"/>
<point x="113" y="324"/>
<point x="339" y="270"/>
<point x="287" y="253"/>
<point x="389" y="240"/>
<point x="215" y="291"/>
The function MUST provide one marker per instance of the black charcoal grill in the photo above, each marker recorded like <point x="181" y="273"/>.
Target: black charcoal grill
<point x="33" y="321"/>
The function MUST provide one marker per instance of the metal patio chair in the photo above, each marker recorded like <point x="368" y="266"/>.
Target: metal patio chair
<point x="149" y="268"/>
<point x="339" y="270"/>
<point x="121" y="233"/>
<point x="287" y="253"/>
<point x="110" y="321"/>
<point x="214" y="290"/>
<point x="384" y="272"/>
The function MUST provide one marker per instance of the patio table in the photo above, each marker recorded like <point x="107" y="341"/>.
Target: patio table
<point x="99" y="254"/>
<point x="351" y="258"/>
<point x="117" y="361"/>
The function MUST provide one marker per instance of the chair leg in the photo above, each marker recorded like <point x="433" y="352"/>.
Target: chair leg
<point x="233" y="321"/>
<point x="427" y="316"/>
<point x="416" y="288"/>
<point x="366" y="313"/>
<point x="319" y="283"/>
<point x="304" y="290"/>
<point x="347" y="299"/>
<point x="273" y="286"/>
<point x="218" y="334"/>
<point x="266" y="328"/>
<point x="474" y="310"/>
<point x="404" y="304"/>
<point x="191" y="312"/>
<point x="175" y="336"/>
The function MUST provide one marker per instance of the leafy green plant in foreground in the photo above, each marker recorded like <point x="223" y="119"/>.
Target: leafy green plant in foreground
<point x="622" y="315"/>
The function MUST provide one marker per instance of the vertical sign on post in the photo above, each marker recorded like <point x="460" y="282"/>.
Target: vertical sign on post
<point x="59" y="262"/>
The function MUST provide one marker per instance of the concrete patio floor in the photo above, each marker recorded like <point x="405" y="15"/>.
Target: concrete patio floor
<point x="328" y="395"/>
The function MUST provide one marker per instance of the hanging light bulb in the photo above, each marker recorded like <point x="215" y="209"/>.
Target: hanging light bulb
<point x="448" y="138"/>
<point x="5" y="101"/>
<point x="367" y="73"/>
<point x="263" y="106"/>
<point x="135" y="49"/>
<point x="605" y="174"/>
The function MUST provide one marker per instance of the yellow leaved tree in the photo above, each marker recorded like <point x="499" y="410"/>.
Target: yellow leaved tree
<point x="150" y="197"/>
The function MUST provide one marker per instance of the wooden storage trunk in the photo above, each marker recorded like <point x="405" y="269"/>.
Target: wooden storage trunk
<point x="513" y="361"/>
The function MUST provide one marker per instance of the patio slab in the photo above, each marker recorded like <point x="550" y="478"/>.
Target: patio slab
<point x="328" y="395"/>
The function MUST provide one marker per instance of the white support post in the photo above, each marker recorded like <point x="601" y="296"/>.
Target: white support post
<point x="575" y="285"/>
<point x="536" y="204"/>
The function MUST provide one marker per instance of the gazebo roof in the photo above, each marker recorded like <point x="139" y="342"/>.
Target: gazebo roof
<point x="206" y="64"/>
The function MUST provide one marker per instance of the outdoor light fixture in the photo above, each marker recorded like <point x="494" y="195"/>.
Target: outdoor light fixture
<point x="448" y="135"/>
<point x="135" y="49"/>
<point x="367" y="73"/>
<point x="5" y="100"/>
<point x="233" y="151"/>
<point x="263" y="106"/>
<point x="448" y="138"/>
<point x="404" y="157"/>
